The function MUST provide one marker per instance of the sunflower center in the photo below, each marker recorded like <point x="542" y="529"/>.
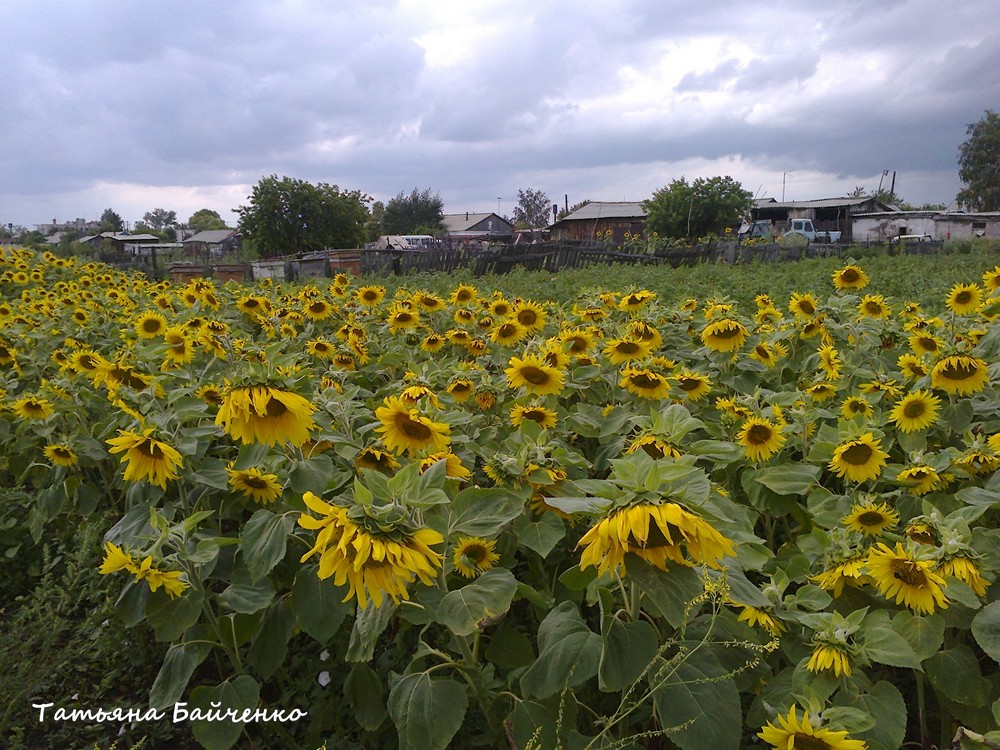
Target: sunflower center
<point x="962" y="370"/>
<point x="460" y="387"/>
<point x="849" y="276"/>
<point x="688" y="384"/>
<point x="317" y="307"/>
<point x="403" y="317"/>
<point x="527" y="317"/>
<point x="909" y="573"/>
<point x="578" y="344"/>
<point x="762" y="351"/>
<point x="535" y="375"/>
<point x="627" y="347"/>
<point x="810" y="742"/>
<point x="150" y="448"/>
<point x="858" y="454"/>
<point x="871" y="518"/>
<point x="873" y="307"/>
<point x="759" y="434"/>
<point x="475" y="553"/>
<point x="412" y="428"/>
<point x="61" y="452"/>
<point x="914" y="409"/>
<point x="535" y="415"/>
<point x="806" y="307"/>
<point x="506" y="330"/>
<point x="275" y="408"/>
<point x="963" y="298"/>
<point x="928" y="344"/>
<point x="727" y="332"/>
<point x="151" y="326"/>
<point x="655" y="539"/>
<point x="256" y="483"/>
<point x="369" y="296"/>
<point x="645" y="382"/>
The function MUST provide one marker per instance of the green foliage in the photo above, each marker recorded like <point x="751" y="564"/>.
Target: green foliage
<point x="159" y="218"/>
<point x="703" y="207"/>
<point x="420" y="212"/>
<point x="288" y="216"/>
<point x="111" y="221"/>
<point x="533" y="209"/>
<point x="979" y="164"/>
<point x="205" y="219"/>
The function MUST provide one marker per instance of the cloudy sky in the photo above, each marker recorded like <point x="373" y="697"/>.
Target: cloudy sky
<point x="185" y="105"/>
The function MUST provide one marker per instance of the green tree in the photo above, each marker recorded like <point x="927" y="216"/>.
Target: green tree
<point x="373" y="228"/>
<point x="420" y="212"/>
<point x="111" y="221"/>
<point x="159" y="219"/>
<point x="979" y="164"/>
<point x="705" y="206"/>
<point x="205" y="219"/>
<point x="533" y="209"/>
<point x="287" y="215"/>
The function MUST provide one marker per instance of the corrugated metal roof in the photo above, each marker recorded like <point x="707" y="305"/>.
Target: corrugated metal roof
<point x="820" y="203"/>
<point x="608" y="210"/>
<point x="459" y="222"/>
<point x="210" y="235"/>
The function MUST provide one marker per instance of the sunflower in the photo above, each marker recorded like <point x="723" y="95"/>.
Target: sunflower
<point x="915" y="411"/>
<point x="829" y="361"/>
<point x="251" y="305"/>
<point x="803" y="305"/>
<point x="60" y="454"/>
<point x="369" y="296"/>
<point x="474" y="555"/>
<point x="859" y="460"/>
<point x="635" y="300"/>
<point x="871" y="518"/>
<point x="653" y="446"/>
<point x="909" y="581"/>
<point x="768" y="354"/>
<point x="262" y="414"/>
<point x="850" y="277"/>
<point x="542" y="416"/>
<point x="32" y="408"/>
<point x="793" y="733"/>
<point x="828" y="657"/>
<point x="461" y="389"/>
<point x="508" y="333"/>
<point x="724" y="335"/>
<point x="966" y="571"/>
<point x="820" y="392"/>
<point x="760" y="438"/>
<point x="459" y="336"/>
<point x="534" y="375"/>
<point x="464" y="316"/>
<point x="146" y="458"/>
<point x="529" y="314"/>
<point x="464" y="294"/>
<point x="150" y="324"/>
<point x="754" y="616"/>
<point x="854" y="405"/>
<point x="645" y="383"/>
<point x="922" y="342"/>
<point x="320" y="348"/>
<point x="961" y="374"/>
<point x="318" y="309"/>
<point x="964" y="299"/>
<point x="404" y="428"/>
<point x="85" y="360"/>
<point x="210" y="394"/>
<point x="623" y="350"/>
<point x="912" y="366"/>
<point x="874" y="306"/>
<point x="694" y="385"/>
<point x="180" y="350"/>
<point x="433" y="342"/>
<point x="454" y="468"/>
<point x="655" y="533"/>
<point x="373" y="563"/>
<point x="403" y="319"/>
<point x="920" y="532"/>
<point x="643" y="331"/>
<point x="376" y="460"/>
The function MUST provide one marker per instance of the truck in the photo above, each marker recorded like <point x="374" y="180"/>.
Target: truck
<point x="806" y="229"/>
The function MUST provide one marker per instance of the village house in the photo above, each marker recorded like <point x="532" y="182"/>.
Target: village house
<point x="596" y="219"/>
<point x="212" y="243"/>
<point x="883" y="226"/>
<point x="827" y="214"/>
<point x="469" y="227"/>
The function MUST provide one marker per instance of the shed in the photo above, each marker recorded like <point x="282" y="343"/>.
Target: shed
<point x="595" y="219"/>
<point x="469" y="226"/>
<point x="212" y="243"/>
<point x="827" y="214"/>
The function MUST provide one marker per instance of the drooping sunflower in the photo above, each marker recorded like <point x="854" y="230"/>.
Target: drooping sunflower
<point x="828" y="657"/>
<point x="964" y="299"/>
<point x="403" y="319"/>
<point x="371" y="295"/>
<point x="908" y="581"/>
<point x="754" y="616"/>
<point x="643" y="331"/>
<point x="254" y="484"/>
<point x="620" y="351"/>
<point x="768" y="354"/>
<point x="845" y="573"/>
<point x="453" y="466"/>
<point x="966" y="571"/>
<point x="33" y="408"/>
<point x="803" y="305"/>
<point x="912" y="366"/>
<point x="461" y="389"/>
<point x="859" y="460"/>
<point x="694" y="385"/>
<point x="150" y="324"/>
<point x="792" y="733"/>
<point x="657" y="534"/>
<point x="404" y="429"/>
<point x="874" y="306"/>
<point x="760" y="438"/>
<point x="211" y="394"/>
<point x="146" y="459"/>
<point x="433" y="342"/>
<point x="654" y="446"/>
<point x="724" y="335"/>
<point x="915" y="411"/>
<point x="850" y="277"/>
<point x="375" y="459"/>
<point x="85" y="361"/>
<point x="320" y="348"/>
<point x="60" y="454"/>
<point x="542" y="416"/>
<point x="262" y="414"/>
<point x="508" y="333"/>
<point x="635" y="300"/>
<point x="645" y="383"/>
<point x="372" y="563"/>
<point x="474" y="555"/>
<point x="961" y="374"/>
<point x="534" y="375"/>
<point x="871" y="518"/>
<point x="919" y="479"/>
<point x="822" y="391"/>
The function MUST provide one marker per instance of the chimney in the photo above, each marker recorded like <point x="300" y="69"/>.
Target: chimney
<point x="466" y="215"/>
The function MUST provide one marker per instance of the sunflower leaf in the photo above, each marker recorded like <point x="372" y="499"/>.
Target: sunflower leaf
<point x="488" y="596"/>
<point x="427" y="712"/>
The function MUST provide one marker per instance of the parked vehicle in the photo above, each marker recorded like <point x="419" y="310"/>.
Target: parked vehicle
<point x="806" y="229"/>
<point x="752" y="230"/>
<point x="911" y="238"/>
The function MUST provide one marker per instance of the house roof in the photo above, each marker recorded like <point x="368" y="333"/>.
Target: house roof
<point x="466" y="221"/>
<point x="607" y="210"/>
<point x="210" y="236"/>
<point x="820" y="203"/>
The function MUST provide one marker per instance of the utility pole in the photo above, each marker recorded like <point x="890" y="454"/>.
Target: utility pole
<point x="783" y="175"/>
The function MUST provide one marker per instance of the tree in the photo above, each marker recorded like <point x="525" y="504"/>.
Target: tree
<point x="159" y="218"/>
<point x="293" y="216"/>
<point x="111" y="221"/>
<point x="373" y="228"/>
<point x="702" y="207"/>
<point x="420" y="212"/>
<point x="204" y="220"/>
<point x="979" y="164"/>
<point x="533" y="209"/>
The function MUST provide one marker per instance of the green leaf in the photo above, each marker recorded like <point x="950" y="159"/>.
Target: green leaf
<point x="955" y="674"/>
<point x="576" y="579"/>
<point x="850" y="720"/>
<point x="569" y="653"/>
<point x="884" y="702"/>
<point x="171" y="617"/>
<point x="364" y="691"/>
<point x="427" y="712"/>
<point x="885" y="646"/>
<point x="925" y="633"/>
<point x="669" y="591"/>
<point x="247" y="597"/>
<point x="510" y="648"/>
<point x="369" y="624"/>
<point x="267" y="652"/>
<point x="700" y="700"/>
<point x="586" y="505"/>
<point x="178" y="665"/>
<point x="489" y="595"/>
<point x="541" y="535"/>
<point x="132" y="602"/>
<point x="317" y="605"/>
<point x="263" y="542"/>
<point x="986" y="630"/>
<point x="628" y="650"/>
<point x="482" y="512"/>
<point x="240" y="693"/>
<point x="311" y="474"/>
<point x="790" y="479"/>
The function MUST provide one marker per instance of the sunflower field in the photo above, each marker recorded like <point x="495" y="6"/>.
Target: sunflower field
<point x="394" y="517"/>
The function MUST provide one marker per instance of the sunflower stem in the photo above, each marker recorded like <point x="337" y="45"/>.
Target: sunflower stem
<point x="925" y="740"/>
